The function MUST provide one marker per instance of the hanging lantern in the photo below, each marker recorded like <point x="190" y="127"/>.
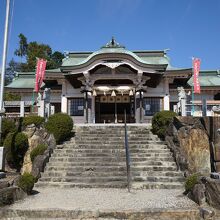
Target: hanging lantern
<point x="131" y="93"/>
<point x="94" y="93"/>
<point x="113" y="93"/>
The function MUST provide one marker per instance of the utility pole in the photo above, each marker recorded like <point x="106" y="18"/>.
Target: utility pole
<point x="4" y="58"/>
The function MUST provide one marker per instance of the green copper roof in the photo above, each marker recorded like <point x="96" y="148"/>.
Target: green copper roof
<point x="145" y="57"/>
<point x="74" y="61"/>
<point x="23" y="81"/>
<point x="209" y="78"/>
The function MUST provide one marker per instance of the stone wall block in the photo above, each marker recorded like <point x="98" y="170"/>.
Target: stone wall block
<point x="198" y="194"/>
<point x="189" y="141"/>
<point x="195" y="146"/>
<point x="34" y="141"/>
<point x="39" y="164"/>
<point x="40" y="136"/>
<point x="51" y="141"/>
<point x="11" y="194"/>
<point x="212" y="192"/>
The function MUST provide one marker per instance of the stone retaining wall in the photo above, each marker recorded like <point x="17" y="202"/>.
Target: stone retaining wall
<point x="188" y="139"/>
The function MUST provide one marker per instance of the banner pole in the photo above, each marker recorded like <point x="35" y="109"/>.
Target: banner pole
<point x="193" y="98"/>
<point x="33" y="98"/>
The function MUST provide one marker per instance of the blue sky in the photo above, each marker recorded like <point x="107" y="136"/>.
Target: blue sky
<point x="187" y="27"/>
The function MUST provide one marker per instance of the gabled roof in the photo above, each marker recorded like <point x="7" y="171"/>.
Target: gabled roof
<point x="207" y="78"/>
<point x="75" y="59"/>
<point x="23" y="80"/>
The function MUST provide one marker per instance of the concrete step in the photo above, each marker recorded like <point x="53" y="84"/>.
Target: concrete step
<point x="135" y="156"/>
<point x="117" y="139"/>
<point x="119" y="169"/>
<point x="110" y="163"/>
<point x="115" y="133"/>
<point x="84" y="168"/>
<point x="153" y="168"/>
<point x="157" y="185"/>
<point x="139" y="173"/>
<point x="136" y="176"/>
<point x="96" y="158"/>
<point x="118" y="142"/>
<point x="158" y="179"/>
<point x="109" y="158"/>
<point x="85" y="179"/>
<point x="112" y="148"/>
<point x="89" y="173"/>
<point x="67" y="214"/>
<point x="110" y="128"/>
<point x="118" y="184"/>
<point x="92" y="164"/>
<point x="84" y="149"/>
<point x="140" y="169"/>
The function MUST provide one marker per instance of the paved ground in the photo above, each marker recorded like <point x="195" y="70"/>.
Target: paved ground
<point x="105" y="199"/>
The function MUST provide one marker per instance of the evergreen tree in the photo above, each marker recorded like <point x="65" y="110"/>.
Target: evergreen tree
<point x="13" y="67"/>
<point x="34" y="50"/>
<point x="23" y="46"/>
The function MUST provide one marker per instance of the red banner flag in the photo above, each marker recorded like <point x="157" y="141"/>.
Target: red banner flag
<point x="196" y="67"/>
<point x="40" y="73"/>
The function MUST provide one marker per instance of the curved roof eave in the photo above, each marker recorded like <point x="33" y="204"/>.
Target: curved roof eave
<point x="112" y="51"/>
<point x="114" y="56"/>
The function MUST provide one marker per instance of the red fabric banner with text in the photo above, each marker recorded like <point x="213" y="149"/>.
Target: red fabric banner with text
<point x="40" y="73"/>
<point x="196" y="67"/>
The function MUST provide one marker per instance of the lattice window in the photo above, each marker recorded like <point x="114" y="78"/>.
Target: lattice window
<point x="152" y="105"/>
<point x="76" y="106"/>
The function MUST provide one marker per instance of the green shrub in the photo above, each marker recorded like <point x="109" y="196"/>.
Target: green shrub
<point x="33" y="119"/>
<point x="16" y="145"/>
<point x="60" y="125"/>
<point x="26" y="182"/>
<point x="161" y="121"/>
<point x="39" y="150"/>
<point x="7" y="127"/>
<point x="191" y="181"/>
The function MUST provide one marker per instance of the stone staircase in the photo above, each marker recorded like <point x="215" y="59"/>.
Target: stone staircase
<point x="95" y="157"/>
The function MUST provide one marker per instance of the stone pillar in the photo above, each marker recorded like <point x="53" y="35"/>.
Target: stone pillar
<point x="166" y="99"/>
<point x="183" y="107"/>
<point x="166" y="102"/>
<point x="22" y="110"/>
<point x="41" y="108"/>
<point x="64" y="104"/>
<point x="141" y="107"/>
<point x="86" y="106"/>
<point x="182" y="101"/>
<point x="93" y="110"/>
<point x="47" y="110"/>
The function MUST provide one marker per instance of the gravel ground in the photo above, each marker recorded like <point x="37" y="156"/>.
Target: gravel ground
<point x="104" y="199"/>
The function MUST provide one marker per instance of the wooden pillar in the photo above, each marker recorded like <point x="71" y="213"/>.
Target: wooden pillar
<point x="141" y="105"/>
<point x="86" y="107"/>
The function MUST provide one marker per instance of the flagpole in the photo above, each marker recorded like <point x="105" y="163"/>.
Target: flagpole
<point x="4" y="58"/>
<point x="193" y="95"/>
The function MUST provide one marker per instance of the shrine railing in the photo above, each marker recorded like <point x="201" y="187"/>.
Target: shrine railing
<point x="128" y="160"/>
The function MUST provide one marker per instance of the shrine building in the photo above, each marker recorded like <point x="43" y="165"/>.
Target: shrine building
<point x="98" y="87"/>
